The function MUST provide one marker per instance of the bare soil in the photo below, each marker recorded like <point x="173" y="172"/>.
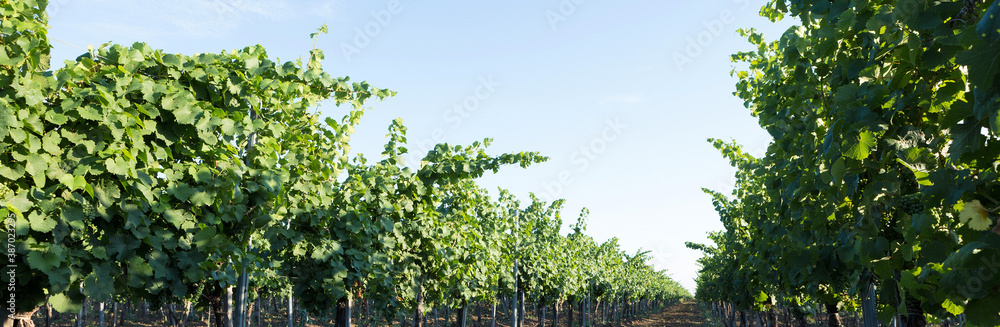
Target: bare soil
<point x="683" y="314"/>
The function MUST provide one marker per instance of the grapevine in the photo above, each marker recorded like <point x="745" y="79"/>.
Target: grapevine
<point x="884" y="121"/>
<point x="911" y="204"/>
<point x="146" y="176"/>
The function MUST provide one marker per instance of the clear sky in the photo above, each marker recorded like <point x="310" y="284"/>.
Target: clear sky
<point x="620" y="94"/>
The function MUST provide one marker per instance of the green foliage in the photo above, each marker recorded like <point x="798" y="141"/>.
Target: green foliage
<point x="146" y="156"/>
<point x="135" y="174"/>
<point x="883" y="123"/>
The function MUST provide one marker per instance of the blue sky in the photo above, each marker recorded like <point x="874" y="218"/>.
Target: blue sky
<point x="620" y="94"/>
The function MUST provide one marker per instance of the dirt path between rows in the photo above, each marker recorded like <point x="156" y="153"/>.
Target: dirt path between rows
<point x="679" y="315"/>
